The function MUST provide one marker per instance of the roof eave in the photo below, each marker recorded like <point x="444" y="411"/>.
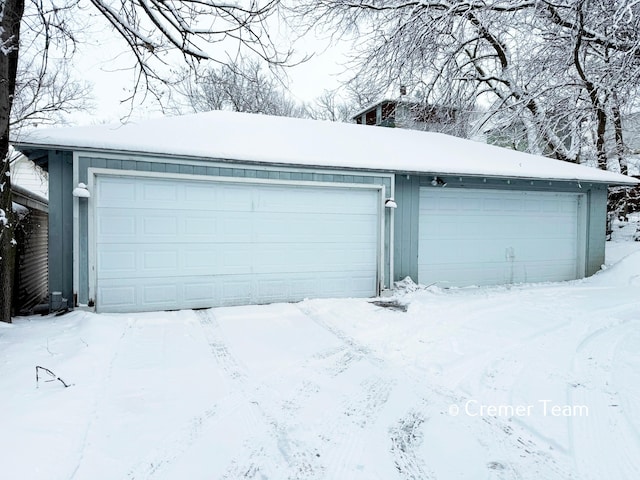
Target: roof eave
<point x="27" y="147"/>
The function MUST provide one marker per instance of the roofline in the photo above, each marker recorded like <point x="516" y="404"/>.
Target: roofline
<point x="26" y="197"/>
<point x="632" y="181"/>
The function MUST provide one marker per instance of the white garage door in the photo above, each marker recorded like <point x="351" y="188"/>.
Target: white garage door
<point x="490" y="237"/>
<point x="169" y="243"/>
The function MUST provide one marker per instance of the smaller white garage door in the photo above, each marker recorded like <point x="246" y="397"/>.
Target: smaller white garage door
<point x="492" y="237"/>
<point x="176" y="243"/>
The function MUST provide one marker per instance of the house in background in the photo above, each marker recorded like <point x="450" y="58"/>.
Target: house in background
<point x="413" y="113"/>
<point x="29" y="176"/>
<point x="31" y="273"/>
<point x="226" y="208"/>
<point x="409" y="113"/>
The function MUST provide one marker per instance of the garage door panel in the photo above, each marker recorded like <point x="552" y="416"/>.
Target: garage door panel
<point x="158" y="193"/>
<point x="487" y="237"/>
<point x="197" y="292"/>
<point x="159" y="225"/>
<point x="190" y="244"/>
<point x="163" y="294"/>
<point x="160" y="260"/>
<point x="331" y="200"/>
<point x="225" y="259"/>
<point x="117" y="297"/>
<point x="118" y="262"/>
<point x="138" y="226"/>
<point x="121" y="193"/>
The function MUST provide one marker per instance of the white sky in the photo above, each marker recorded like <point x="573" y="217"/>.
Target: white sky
<point x="102" y="60"/>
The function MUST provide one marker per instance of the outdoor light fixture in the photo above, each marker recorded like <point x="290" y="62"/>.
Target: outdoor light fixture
<point x="81" y="191"/>
<point x="390" y="203"/>
<point x="437" y="181"/>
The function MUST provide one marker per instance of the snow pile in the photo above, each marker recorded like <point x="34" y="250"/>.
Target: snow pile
<point x="624" y="272"/>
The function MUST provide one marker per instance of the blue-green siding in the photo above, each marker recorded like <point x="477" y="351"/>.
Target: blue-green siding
<point x="596" y="228"/>
<point x="61" y="224"/>
<point x="405" y="247"/>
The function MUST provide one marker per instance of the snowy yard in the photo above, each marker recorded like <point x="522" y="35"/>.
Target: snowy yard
<point x="528" y="382"/>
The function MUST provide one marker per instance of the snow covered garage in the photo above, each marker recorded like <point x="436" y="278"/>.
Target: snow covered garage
<point x="225" y="208"/>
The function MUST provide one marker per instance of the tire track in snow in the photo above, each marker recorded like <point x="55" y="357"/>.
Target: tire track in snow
<point x="406" y="436"/>
<point x="99" y="398"/>
<point x="597" y="438"/>
<point x="213" y="334"/>
<point x="264" y="406"/>
<point x="306" y="462"/>
<point x="173" y="448"/>
<point x="363" y="409"/>
<point x="356" y="348"/>
<point x="505" y="440"/>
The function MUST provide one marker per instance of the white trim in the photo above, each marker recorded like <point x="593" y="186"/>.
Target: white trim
<point x="583" y="233"/>
<point x="392" y="230"/>
<point x="76" y="233"/>
<point x="381" y="221"/>
<point x="91" y="248"/>
<point x="93" y="173"/>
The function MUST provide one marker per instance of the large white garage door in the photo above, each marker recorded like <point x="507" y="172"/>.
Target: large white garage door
<point x="489" y="237"/>
<point x="170" y="243"/>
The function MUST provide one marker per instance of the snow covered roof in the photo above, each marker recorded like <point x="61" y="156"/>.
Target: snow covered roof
<point x="300" y="142"/>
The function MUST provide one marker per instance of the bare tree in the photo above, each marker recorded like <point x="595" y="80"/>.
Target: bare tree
<point x="154" y="31"/>
<point x="329" y="106"/>
<point x="556" y="75"/>
<point x="240" y="86"/>
<point x="45" y="89"/>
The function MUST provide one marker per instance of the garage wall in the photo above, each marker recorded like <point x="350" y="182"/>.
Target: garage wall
<point x="191" y="167"/>
<point x="61" y="226"/>
<point x="407" y="193"/>
<point x="405" y="245"/>
<point x="596" y="228"/>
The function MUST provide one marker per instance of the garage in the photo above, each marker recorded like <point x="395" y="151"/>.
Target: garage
<point x="491" y="237"/>
<point x="248" y="209"/>
<point x="172" y="243"/>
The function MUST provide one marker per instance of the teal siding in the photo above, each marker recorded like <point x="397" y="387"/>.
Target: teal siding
<point x="406" y="227"/>
<point x="596" y="228"/>
<point x="61" y="224"/>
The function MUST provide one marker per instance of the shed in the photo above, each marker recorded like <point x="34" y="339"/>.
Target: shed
<point x="225" y="208"/>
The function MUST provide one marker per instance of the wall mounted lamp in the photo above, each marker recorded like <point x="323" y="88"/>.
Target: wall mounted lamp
<point x="437" y="181"/>
<point x="390" y="203"/>
<point x="81" y="191"/>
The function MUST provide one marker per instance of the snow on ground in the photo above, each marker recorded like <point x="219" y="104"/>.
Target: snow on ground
<point x="526" y="382"/>
<point x="625" y="239"/>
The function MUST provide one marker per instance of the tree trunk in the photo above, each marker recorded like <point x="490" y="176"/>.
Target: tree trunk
<point x="10" y="18"/>
<point x="617" y="124"/>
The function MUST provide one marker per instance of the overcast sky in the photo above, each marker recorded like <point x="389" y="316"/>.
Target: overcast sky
<point x="103" y="59"/>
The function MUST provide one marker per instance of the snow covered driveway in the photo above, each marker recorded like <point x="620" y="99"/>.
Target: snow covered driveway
<point x="528" y="382"/>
